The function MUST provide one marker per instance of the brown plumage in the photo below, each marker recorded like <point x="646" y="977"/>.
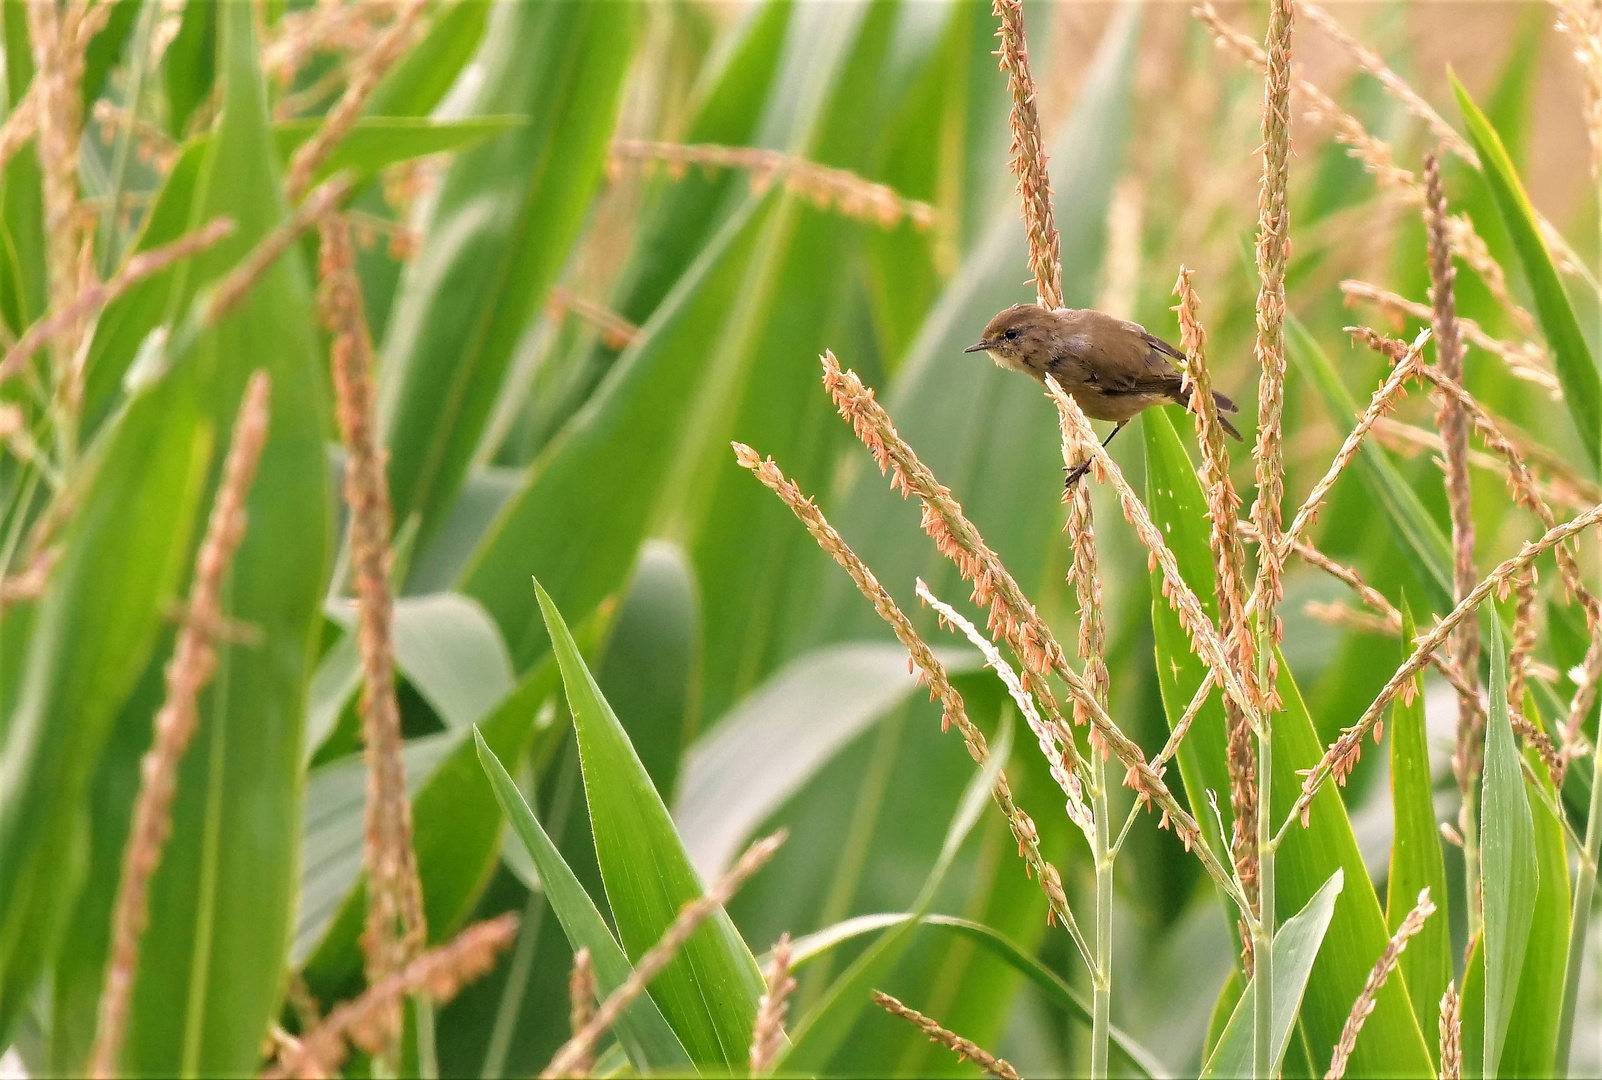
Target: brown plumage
<point x="1112" y="367"/>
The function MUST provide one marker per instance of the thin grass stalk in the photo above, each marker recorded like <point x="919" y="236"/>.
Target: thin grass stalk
<point x="1273" y="252"/>
<point x="1028" y="154"/>
<point x="95" y="297"/>
<point x="930" y="670"/>
<point x="1085" y="574"/>
<point x="1229" y="565"/>
<point x="1339" y="759"/>
<point x="20" y="126"/>
<point x="1522" y="653"/>
<point x="1411" y="924"/>
<point x="658" y="956"/>
<point x="1464" y="645"/>
<point x="581" y="1004"/>
<point x="1012" y="617"/>
<point x="825" y="187"/>
<point x="396" y="931"/>
<point x="965" y="1049"/>
<point x="767" y="1032"/>
<point x="370" y="67"/>
<point x="194" y="660"/>
<point x="438" y="974"/>
<point x="1376" y="157"/>
<point x="1526" y="360"/>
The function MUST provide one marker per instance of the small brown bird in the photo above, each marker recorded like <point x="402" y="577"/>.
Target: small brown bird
<point x="1112" y="367"/>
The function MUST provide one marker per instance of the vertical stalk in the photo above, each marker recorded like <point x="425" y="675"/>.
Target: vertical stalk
<point x="1263" y="929"/>
<point x="1579" y="919"/>
<point x="1101" y="978"/>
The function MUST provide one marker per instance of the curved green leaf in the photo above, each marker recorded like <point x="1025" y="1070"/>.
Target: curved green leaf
<point x="646" y="1036"/>
<point x="507" y="215"/>
<point x="1510" y="875"/>
<point x="1048" y="982"/>
<point x="1416" y="859"/>
<point x="1307" y="858"/>
<point x="222" y="902"/>
<point x="1296" y="946"/>
<point x="709" y="991"/>
<point x="93" y="634"/>
<point x="1576" y="368"/>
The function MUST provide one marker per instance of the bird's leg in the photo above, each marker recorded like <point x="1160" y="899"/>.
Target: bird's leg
<point x="1084" y="466"/>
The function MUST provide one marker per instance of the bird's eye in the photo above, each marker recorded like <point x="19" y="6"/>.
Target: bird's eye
<point x="1012" y="334"/>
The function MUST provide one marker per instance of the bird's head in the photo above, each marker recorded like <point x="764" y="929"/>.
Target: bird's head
<point x="1019" y="337"/>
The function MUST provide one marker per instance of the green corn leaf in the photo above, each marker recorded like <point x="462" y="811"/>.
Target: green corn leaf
<point x="92" y="636"/>
<point x="821" y="1032"/>
<point x="1510" y="872"/>
<point x="1416" y="859"/>
<point x="506" y="217"/>
<point x="1296" y="946"/>
<point x="709" y="991"/>
<point x="646" y="1036"/>
<point x="1051" y="985"/>
<point x="621" y="443"/>
<point x="212" y="961"/>
<point x="1307" y="857"/>
<point x="377" y="142"/>
<point x="1576" y="368"/>
<point x="420" y="81"/>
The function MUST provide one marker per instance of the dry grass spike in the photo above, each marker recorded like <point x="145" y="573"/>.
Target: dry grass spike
<point x="1028" y="154"/>
<point x="767" y="1033"/>
<point x="1411" y="924"/>
<point x="963" y="1048"/>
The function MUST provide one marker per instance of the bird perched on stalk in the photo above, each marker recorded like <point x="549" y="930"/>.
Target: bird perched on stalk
<point x="1112" y="367"/>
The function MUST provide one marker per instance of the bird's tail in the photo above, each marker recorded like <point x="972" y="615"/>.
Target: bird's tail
<point x="1225" y="404"/>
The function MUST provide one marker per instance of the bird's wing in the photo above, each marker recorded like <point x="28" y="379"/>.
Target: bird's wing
<point x="1162" y="346"/>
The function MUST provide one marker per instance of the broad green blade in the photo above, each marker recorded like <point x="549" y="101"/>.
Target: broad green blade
<point x="211" y="976"/>
<point x="820" y="1033"/>
<point x="1417" y="533"/>
<point x="553" y="526"/>
<point x="92" y="637"/>
<point x="507" y="215"/>
<point x="649" y="1040"/>
<point x="1576" y="368"/>
<point x="770" y="745"/>
<point x="1048" y="982"/>
<point x="1510" y="874"/>
<point x="1296" y="945"/>
<point x="709" y="991"/>
<point x="1416" y="859"/>
<point x="1393" y="1043"/>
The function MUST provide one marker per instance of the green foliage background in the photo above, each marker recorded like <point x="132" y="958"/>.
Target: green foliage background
<point x="720" y="677"/>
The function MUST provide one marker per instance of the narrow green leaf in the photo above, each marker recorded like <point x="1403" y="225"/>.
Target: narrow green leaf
<point x="819" y="1034"/>
<point x="1393" y="1044"/>
<point x="1576" y="368"/>
<point x="377" y="142"/>
<point x="506" y="217"/>
<point x="212" y="961"/>
<point x="709" y="991"/>
<point x="804" y="950"/>
<point x="421" y="79"/>
<point x="93" y="635"/>
<point x="1417" y="533"/>
<point x="1416" y="859"/>
<point x="646" y="1036"/>
<point x="1296" y="946"/>
<point x="1511" y="873"/>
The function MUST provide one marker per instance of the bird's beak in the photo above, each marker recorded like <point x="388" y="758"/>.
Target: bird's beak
<point x="980" y="347"/>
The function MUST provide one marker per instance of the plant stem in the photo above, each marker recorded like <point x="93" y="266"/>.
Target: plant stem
<point x="1101" y="977"/>
<point x="1579" y="920"/>
<point x="1263" y="928"/>
<point x="1471" y="858"/>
